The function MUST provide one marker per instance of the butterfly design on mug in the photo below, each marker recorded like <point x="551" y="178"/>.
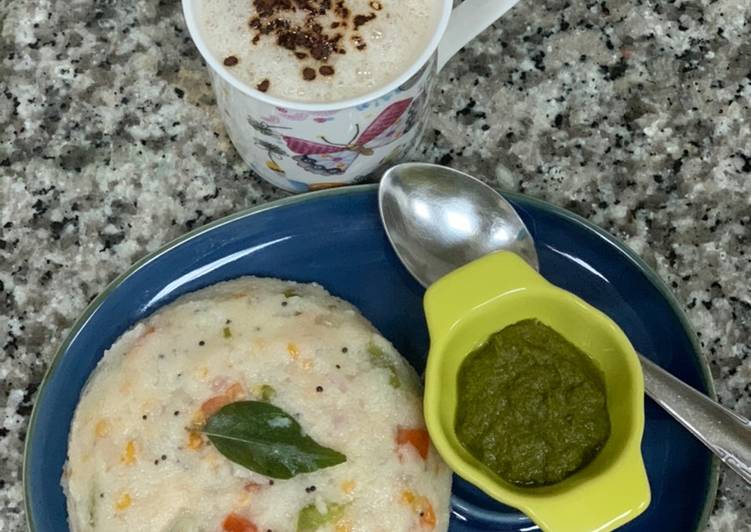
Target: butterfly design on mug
<point x="273" y="152"/>
<point x="333" y="159"/>
<point x="264" y="128"/>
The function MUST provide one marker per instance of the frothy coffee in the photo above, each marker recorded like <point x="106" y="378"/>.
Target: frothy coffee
<point x="317" y="50"/>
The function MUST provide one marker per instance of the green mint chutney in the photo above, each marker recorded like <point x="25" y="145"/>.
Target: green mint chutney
<point x="531" y="405"/>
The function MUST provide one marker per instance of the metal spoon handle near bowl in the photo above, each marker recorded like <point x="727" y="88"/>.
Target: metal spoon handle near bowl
<point x="727" y="434"/>
<point x="433" y="216"/>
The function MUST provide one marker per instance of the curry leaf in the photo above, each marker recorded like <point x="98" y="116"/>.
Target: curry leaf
<point x="265" y="439"/>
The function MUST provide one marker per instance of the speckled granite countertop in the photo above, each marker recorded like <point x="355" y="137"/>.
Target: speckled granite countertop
<point x="633" y="114"/>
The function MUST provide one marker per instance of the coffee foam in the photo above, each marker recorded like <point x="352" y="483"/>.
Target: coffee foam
<point x="394" y="40"/>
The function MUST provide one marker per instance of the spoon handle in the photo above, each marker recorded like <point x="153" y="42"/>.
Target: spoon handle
<point x="727" y="434"/>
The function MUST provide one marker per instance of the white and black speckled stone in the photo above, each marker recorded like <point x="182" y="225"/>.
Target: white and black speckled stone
<point x="633" y="114"/>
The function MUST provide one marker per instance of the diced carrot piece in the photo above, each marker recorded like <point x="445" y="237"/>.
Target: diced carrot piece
<point x="234" y="392"/>
<point x="237" y="523"/>
<point x="427" y="515"/>
<point x="214" y="404"/>
<point x="417" y="438"/>
<point x="252" y="487"/>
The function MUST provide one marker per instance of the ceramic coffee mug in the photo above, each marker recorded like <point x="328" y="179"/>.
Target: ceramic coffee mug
<point x="306" y="146"/>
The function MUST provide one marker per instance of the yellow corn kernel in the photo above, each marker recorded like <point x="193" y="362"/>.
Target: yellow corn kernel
<point x="123" y="502"/>
<point x="348" y="486"/>
<point x="102" y="428"/>
<point x="195" y="441"/>
<point x="293" y="350"/>
<point x="408" y="497"/>
<point x="243" y="499"/>
<point x="129" y="454"/>
<point x="343" y="525"/>
<point x="198" y="420"/>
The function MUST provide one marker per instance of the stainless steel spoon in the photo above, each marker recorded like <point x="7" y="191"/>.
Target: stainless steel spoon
<point x="439" y="219"/>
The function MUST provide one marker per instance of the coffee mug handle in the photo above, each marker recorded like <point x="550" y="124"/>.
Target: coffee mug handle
<point x="468" y="19"/>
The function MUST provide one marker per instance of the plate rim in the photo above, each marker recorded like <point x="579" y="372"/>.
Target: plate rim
<point x="636" y="260"/>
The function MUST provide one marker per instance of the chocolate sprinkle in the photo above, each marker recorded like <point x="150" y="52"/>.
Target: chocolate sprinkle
<point x="231" y="60"/>
<point x="276" y="17"/>
<point x="264" y="85"/>
<point x="363" y="19"/>
<point x="298" y="26"/>
<point x="341" y="10"/>
<point x="308" y="74"/>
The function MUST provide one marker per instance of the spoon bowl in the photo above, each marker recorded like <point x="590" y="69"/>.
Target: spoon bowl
<point x="434" y="216"/>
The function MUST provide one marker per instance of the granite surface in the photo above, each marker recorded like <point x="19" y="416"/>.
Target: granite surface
<point x="634" y="114"/>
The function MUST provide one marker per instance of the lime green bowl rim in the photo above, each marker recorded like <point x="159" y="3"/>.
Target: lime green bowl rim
<point x="527" y="283"/>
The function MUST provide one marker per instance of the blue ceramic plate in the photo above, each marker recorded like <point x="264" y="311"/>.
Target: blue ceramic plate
<point x="335" y="238"/>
